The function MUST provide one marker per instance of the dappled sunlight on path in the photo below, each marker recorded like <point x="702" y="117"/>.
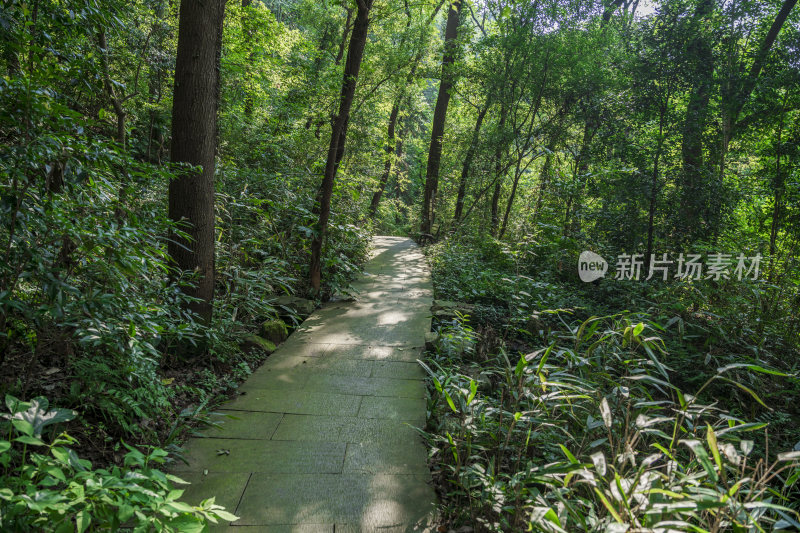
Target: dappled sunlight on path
<point x="323" y="437"/>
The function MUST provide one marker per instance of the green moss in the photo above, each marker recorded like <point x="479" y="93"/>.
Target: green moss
<point x="254" y="341"/>
<point x="274" y="330"/>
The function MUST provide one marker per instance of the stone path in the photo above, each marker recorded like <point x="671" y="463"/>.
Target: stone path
<point x="323" y="438"/>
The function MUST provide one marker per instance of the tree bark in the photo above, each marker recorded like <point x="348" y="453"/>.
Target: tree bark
<point x="651" y="212"/>
<point x="468" y="157"/>
<point x="439" y="115"/>
<point x="544" y="175"/>
<point x="249" y="104"/>
<point x="345" y="35"/>
<point x="391" y="144"/>
<point x="116" y="100"/>
<point x="355" y="53"/>
<point x="498" y="170"/>
<point x="694" y="182"/>
<point x="779" y="186"/>
<point x="194" y="141"/>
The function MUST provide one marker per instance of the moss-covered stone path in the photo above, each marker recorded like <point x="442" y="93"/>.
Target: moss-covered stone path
<point x="323" y="439"/>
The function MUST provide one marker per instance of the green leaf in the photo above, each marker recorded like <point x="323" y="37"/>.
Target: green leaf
<point x="179" y="507"/>
<point x="711" y="437"/>
<point x="747" y="390"/>
<point x="23" y="426"/>
<point x="225" y="515"/>
<point x="473" y="390"/>
<point x="83" y="519"/>
<point x="4" y="446"/>
<point x="39" y="417"/>
<point x="702" y="457"/>
<point x="450" y="401"/>
<point x="187" y="523"/>
<point x="569" y="455"/>
<point x="33" y="441"/>
<point x="608" y="505"/>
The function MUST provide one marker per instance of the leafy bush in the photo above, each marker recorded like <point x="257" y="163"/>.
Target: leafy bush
<point x="587" y="433"/>
<point x="46" y="486"/>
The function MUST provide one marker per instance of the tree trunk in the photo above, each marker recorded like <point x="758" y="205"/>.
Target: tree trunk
<point x="694" y="187"/>
<point x="439" y="115"/>
<point x="651" y="212"/>
<point x="387" y="170"/>
<point x="358" y="41"/>
<point x="510" y="203"/>
<point x="581" y="173"/>
<point x="468" y="157"/>
<point x="345" y="34"/>
<point x="194" y="141"/>
<point x="544" y="176"/>
<point x="779" y="186"/>
<point x="116" y="100"/>
<point x="249" y="104"/>
<point x="155" y="134"/>
<point x="498" y="170"/>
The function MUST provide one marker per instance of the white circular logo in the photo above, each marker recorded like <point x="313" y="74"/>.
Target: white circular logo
<point x="591" y="266"/>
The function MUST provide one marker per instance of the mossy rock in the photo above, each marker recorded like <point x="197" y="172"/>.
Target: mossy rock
<point x="431" y="340"/>
<point x="299" y="306"/>
<point x="254" y="342"/>
<point x="274" y="331"/>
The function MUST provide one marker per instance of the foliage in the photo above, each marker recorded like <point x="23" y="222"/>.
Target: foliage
<point x="45" y="485"/>
<point x="91" y="309"/>
<point x="587" y="433"/>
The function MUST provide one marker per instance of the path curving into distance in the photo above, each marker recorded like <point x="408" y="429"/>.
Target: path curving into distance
<point x="323" y="439"/>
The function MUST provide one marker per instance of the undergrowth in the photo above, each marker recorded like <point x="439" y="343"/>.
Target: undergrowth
<point x="587" y="433"/>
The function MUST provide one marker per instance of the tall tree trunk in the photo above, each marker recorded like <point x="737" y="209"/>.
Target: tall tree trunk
<point x="194" y="141"/>
<point x="468" y="157"/>
<point x="694" y="183"/>
<point x="544" y="176"/>
<point x="355" y="52"/>
<point x="510" y="203"/>
<point x="439" y="115"/>
<point x="581" y="174"/>
<point x="116" y="100"/>
<point x="345" y="35"/>
<point x="249" y="104"/>
<point x="498" y="170"/>
<point x="778" y="188"/>
<point x="155" y="135"/>
<point x="391" y="144"/>
<point x="651" y="212"/>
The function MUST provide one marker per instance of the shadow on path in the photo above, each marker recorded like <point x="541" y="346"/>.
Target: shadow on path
<point x="323" y="438"/>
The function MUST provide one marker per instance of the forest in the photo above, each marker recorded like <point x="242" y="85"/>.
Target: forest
<point x="607" y="193"/>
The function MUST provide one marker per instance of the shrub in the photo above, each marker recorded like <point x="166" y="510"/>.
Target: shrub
<point x="46" y="486"/>
<point x="587" y="433"/>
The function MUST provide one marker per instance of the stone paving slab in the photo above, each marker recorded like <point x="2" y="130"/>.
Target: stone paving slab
<point x="243" y="424"/>
<point x="371" y="501"/>
<point x="385" y="458"/>
<point x="324" y="437"/>
<point x="300" y="401"/>
<point x="265" y="456"/>
<point x="344" y="429"/>
<point x="361" y="386"/>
